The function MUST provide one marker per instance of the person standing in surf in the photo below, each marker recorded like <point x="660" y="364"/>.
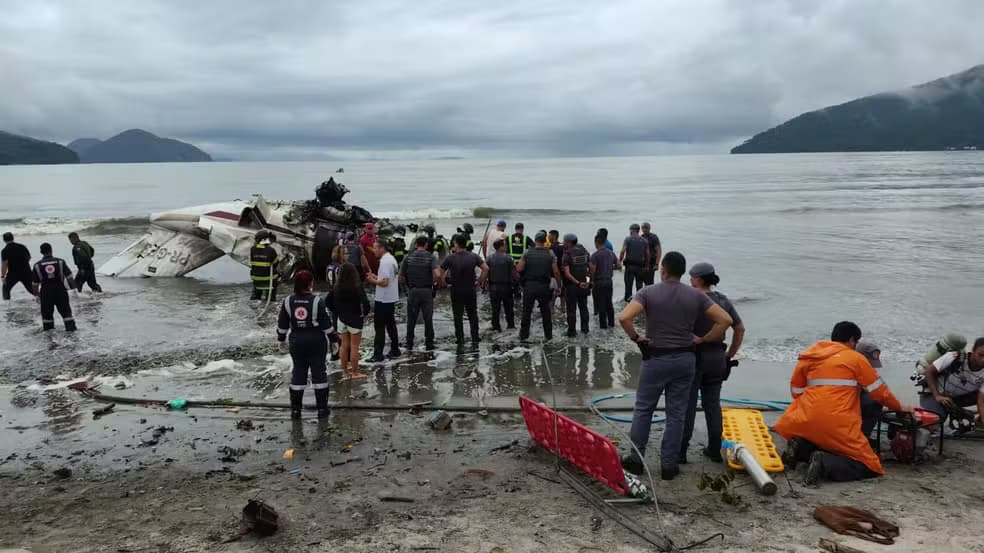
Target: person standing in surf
<point x="85" y="272"/>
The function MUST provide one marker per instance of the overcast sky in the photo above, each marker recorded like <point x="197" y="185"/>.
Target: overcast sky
<point x="295" y="79"/>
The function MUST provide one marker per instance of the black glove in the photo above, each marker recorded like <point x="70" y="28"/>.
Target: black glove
<point x="643" y="344"/>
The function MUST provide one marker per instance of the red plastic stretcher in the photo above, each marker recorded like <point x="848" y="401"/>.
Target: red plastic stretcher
<point x="588" y="450"/>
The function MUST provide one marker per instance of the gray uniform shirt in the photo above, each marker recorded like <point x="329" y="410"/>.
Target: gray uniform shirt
<point x="604" y="262"/>
<point x="704" y="324"/>
<point x="672" y="309"/>
<point x="418" y="269"/>
<point x="501" y="268"/>
<point x="635" y="250"/>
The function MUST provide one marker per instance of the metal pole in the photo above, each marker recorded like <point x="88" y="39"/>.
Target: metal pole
<point x="761" y="478"/>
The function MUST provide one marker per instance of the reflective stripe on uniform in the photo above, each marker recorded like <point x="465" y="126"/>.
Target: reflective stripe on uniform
<point x="301" y="387"/>
<point x="69" y="319"/>
<point x="282" y="331"/>
<point x="320" y="386"/>
<point x="831" y="382"/>
<point x="796" y="390"/>
<point x="260" y="264"/>
<point x="878" y="383"/>
<point x="48" y="321"/>
<point x="263" y="278"/>
<point x="315" y="305"/>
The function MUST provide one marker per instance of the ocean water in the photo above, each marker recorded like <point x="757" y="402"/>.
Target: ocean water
<point x="892" y="241"/>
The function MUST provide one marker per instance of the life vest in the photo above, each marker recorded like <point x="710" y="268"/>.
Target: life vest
<point x="826" y="408"/>
<point x="262" y="259"/>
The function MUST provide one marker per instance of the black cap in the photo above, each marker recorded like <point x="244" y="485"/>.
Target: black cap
<point x="540" y="238"/>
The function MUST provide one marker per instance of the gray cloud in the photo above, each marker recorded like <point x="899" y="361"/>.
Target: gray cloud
<point x="307" y="79"/>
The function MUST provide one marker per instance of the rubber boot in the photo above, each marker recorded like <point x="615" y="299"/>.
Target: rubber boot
<point x="296" y="403"/>
<point x="321" y="397"/>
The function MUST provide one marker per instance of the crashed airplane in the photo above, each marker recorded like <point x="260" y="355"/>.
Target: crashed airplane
<point x="185" y="239"/>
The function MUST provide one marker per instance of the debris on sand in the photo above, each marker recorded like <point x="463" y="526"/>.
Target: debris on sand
<point x="96" y="413"/>
<point x="260" y="518"/>
<point x="63" y="473"/>
<point x="389" y="496"/>
<point x="440" y="420"/>
<point x="244" y="424"/>
<point x="231" y="454"/>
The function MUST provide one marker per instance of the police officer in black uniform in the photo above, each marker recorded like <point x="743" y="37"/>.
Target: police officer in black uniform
<point x="502" y="277"/>
<point x="52" y="281"/>
<point x="537" y="267"/>
<point x="419" y="273"/>
<point x="576" y="286"/>
<point x="304" y="316"/>
<point x="263" y="259"/>
<point x="459" y="267"/>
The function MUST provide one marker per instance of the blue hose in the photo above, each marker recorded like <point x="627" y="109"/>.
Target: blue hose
<point x="771" y="405"/>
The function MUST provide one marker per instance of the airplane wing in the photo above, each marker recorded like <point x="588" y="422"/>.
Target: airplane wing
<point x="162" y="253"/>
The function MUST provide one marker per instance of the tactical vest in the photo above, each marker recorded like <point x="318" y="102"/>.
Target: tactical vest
<point x="579" y="263"/>
<point x="539" y="266"/>
<point x="262" y="258"/>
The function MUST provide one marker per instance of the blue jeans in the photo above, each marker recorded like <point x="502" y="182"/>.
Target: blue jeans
<point x="673" y="374"/>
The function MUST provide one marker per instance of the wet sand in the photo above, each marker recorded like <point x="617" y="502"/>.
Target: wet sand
<point x="148" y="479"/>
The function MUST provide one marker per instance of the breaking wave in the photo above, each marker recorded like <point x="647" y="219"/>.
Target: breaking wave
<point x="476" y="213"/>
<point x="34" y="226"/>
<point x="869" y="209"/>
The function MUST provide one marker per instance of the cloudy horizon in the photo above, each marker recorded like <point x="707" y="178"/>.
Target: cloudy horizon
<point x="391" y="79"/>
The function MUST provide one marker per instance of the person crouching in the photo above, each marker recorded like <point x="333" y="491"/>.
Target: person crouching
<point x="305" y="318"/>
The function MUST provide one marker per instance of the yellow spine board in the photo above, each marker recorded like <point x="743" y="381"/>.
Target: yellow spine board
<point x="747" y="427"/>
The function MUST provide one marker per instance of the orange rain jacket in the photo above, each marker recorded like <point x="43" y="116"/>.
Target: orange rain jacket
<point x="826" y="408"/>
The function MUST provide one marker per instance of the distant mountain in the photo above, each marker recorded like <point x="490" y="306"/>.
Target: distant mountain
<point x="82" y="144"/>
<point x="944" y="114"/>
<point x="23" y="150"/>
<point x="138" y="146"/>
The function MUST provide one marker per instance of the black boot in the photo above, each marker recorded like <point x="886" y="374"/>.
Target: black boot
<point x="296" y="403"/>
<point x="321" y="397"/>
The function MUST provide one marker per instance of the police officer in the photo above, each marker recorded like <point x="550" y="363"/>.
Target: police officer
<point x="655" y="254"/>
<point x="263" y="259"/>
<point x="502" y="277"/>
<point x="467" y="230"/>
<point x="634" y="258"/>
<point x="82" y="253"/>
<point x="16" y="266"/>
<point x="305" y="318"/>
<point x="420" y="274"/>
<point x="52" y="280"/>
<point x="460" y="266"/>
<point x="576" y="286"/>
<point x="537" y="266"/>
<point x="602" y="266"/>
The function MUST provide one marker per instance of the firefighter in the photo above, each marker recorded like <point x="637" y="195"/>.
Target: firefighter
<point x="467" y="230"/>
<point x="305" y="319"/>
<point x="52" y="281"/>
<point x="263" y="259"/>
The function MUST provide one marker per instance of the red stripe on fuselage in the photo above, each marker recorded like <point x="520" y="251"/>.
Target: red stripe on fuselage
<point x="223" y="215"/>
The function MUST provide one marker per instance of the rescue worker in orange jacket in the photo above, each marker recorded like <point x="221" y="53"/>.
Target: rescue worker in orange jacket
<point x="822" y="426"/>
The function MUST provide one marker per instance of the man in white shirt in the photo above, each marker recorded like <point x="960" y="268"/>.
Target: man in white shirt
<point x="387" y="294"/>
<point x="496" y="233"/>
<point x="954" y="380"/>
